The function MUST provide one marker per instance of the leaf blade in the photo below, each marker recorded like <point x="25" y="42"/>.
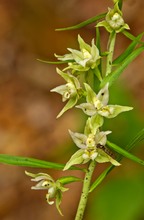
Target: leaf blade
<point x="31" y="162"/>
<point x="131" y="36"/>
<point x="84" y="23"/>
<point x="124" y="152"/>
<point x="139" y="137"/>
<point x="116" y="73"/>
<point x="129" y="50"/>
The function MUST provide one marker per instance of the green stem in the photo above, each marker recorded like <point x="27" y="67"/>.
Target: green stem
<point x="110" y="53"/>
<point x="85" y="191"/>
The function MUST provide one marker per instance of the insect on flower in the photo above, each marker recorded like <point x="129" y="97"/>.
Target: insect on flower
<point x="106" y="150"/>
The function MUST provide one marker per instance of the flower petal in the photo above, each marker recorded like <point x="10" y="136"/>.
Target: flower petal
<point x="103" y="95"/>
<point x="114" y="110"/>
<point x="48" y="199"/>
<point x="58" y="201"/>
<point x="91" y="95"/>
<point x="75" y="159"/>
<point x="105" y="25"/>
<point x="87" y="108"/>
<point x="83" y="45"/>
<point x="103" y="157"/>
<point x="77" y="55"/>
<point x="64" y="57"/>
<point x="94" y="52"/>
<point x="101" y="137"/>
<point x="69" y="105"/>
<point x="60" y="89"/>
<point x="92" y="124"/>
<point x="39" y="176"/>
<point x="79" y="139"/>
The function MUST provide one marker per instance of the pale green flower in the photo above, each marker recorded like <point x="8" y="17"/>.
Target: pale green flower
<point x="84" y="59"/>
<point x="46" y="182"/>
<point x="92" y="147"/>
<point x="114" y="20"/>
<point x="97" y="104"/>
<point x="71" y="91"/>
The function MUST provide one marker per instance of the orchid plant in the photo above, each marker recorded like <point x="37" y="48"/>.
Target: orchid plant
<point x="86" y="87"/>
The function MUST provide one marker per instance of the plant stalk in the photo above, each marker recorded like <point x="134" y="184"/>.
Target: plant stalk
<point x="110" y="53"/>
<point x="85" y="191"/>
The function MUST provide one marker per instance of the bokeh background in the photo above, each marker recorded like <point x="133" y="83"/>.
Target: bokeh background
<point x="28" y="125"/>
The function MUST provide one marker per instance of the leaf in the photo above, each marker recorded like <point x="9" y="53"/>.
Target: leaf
<point x="31" y="162"/>
<point x="84" y="23"/>
<point x="128" y="51"/>
<point x="132" y="37"/>
<point x="120" y="4"/>
<point x="116" y="73"/>
<point x="69" y="179"/>
<point x="53" y="62"/>
<point x="139" y="137"/>
<point x="124" y="152"/>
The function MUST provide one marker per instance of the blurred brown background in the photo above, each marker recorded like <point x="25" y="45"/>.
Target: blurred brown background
<point x="27" y="109"/>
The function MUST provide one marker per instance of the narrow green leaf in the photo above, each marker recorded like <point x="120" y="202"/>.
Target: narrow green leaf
<point x="116" y="73"/>
<point x="124" y="152"/>
<point x="120" y="4"/>
<point x="139" y="137"/>
<point x="53" y="62"/>
<point x="101" y="178"/>
<point x="84" y="23"/>
<point x="31" y="162"/>
<point x="69" y="179"/>
<point x="128" y="51"/>
<point x="132" y="37"/>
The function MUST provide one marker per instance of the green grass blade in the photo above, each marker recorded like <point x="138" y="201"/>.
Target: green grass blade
<point x="124" y="152"/>
<point x="31" y="162"/>
<point x="84" y="23"/>
<point x="116" y="73"/>
<point x="128" y="51"/>
<point x="139" y="137"/>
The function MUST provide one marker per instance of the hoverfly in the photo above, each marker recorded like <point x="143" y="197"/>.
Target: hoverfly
<point x="106" y="150"/>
